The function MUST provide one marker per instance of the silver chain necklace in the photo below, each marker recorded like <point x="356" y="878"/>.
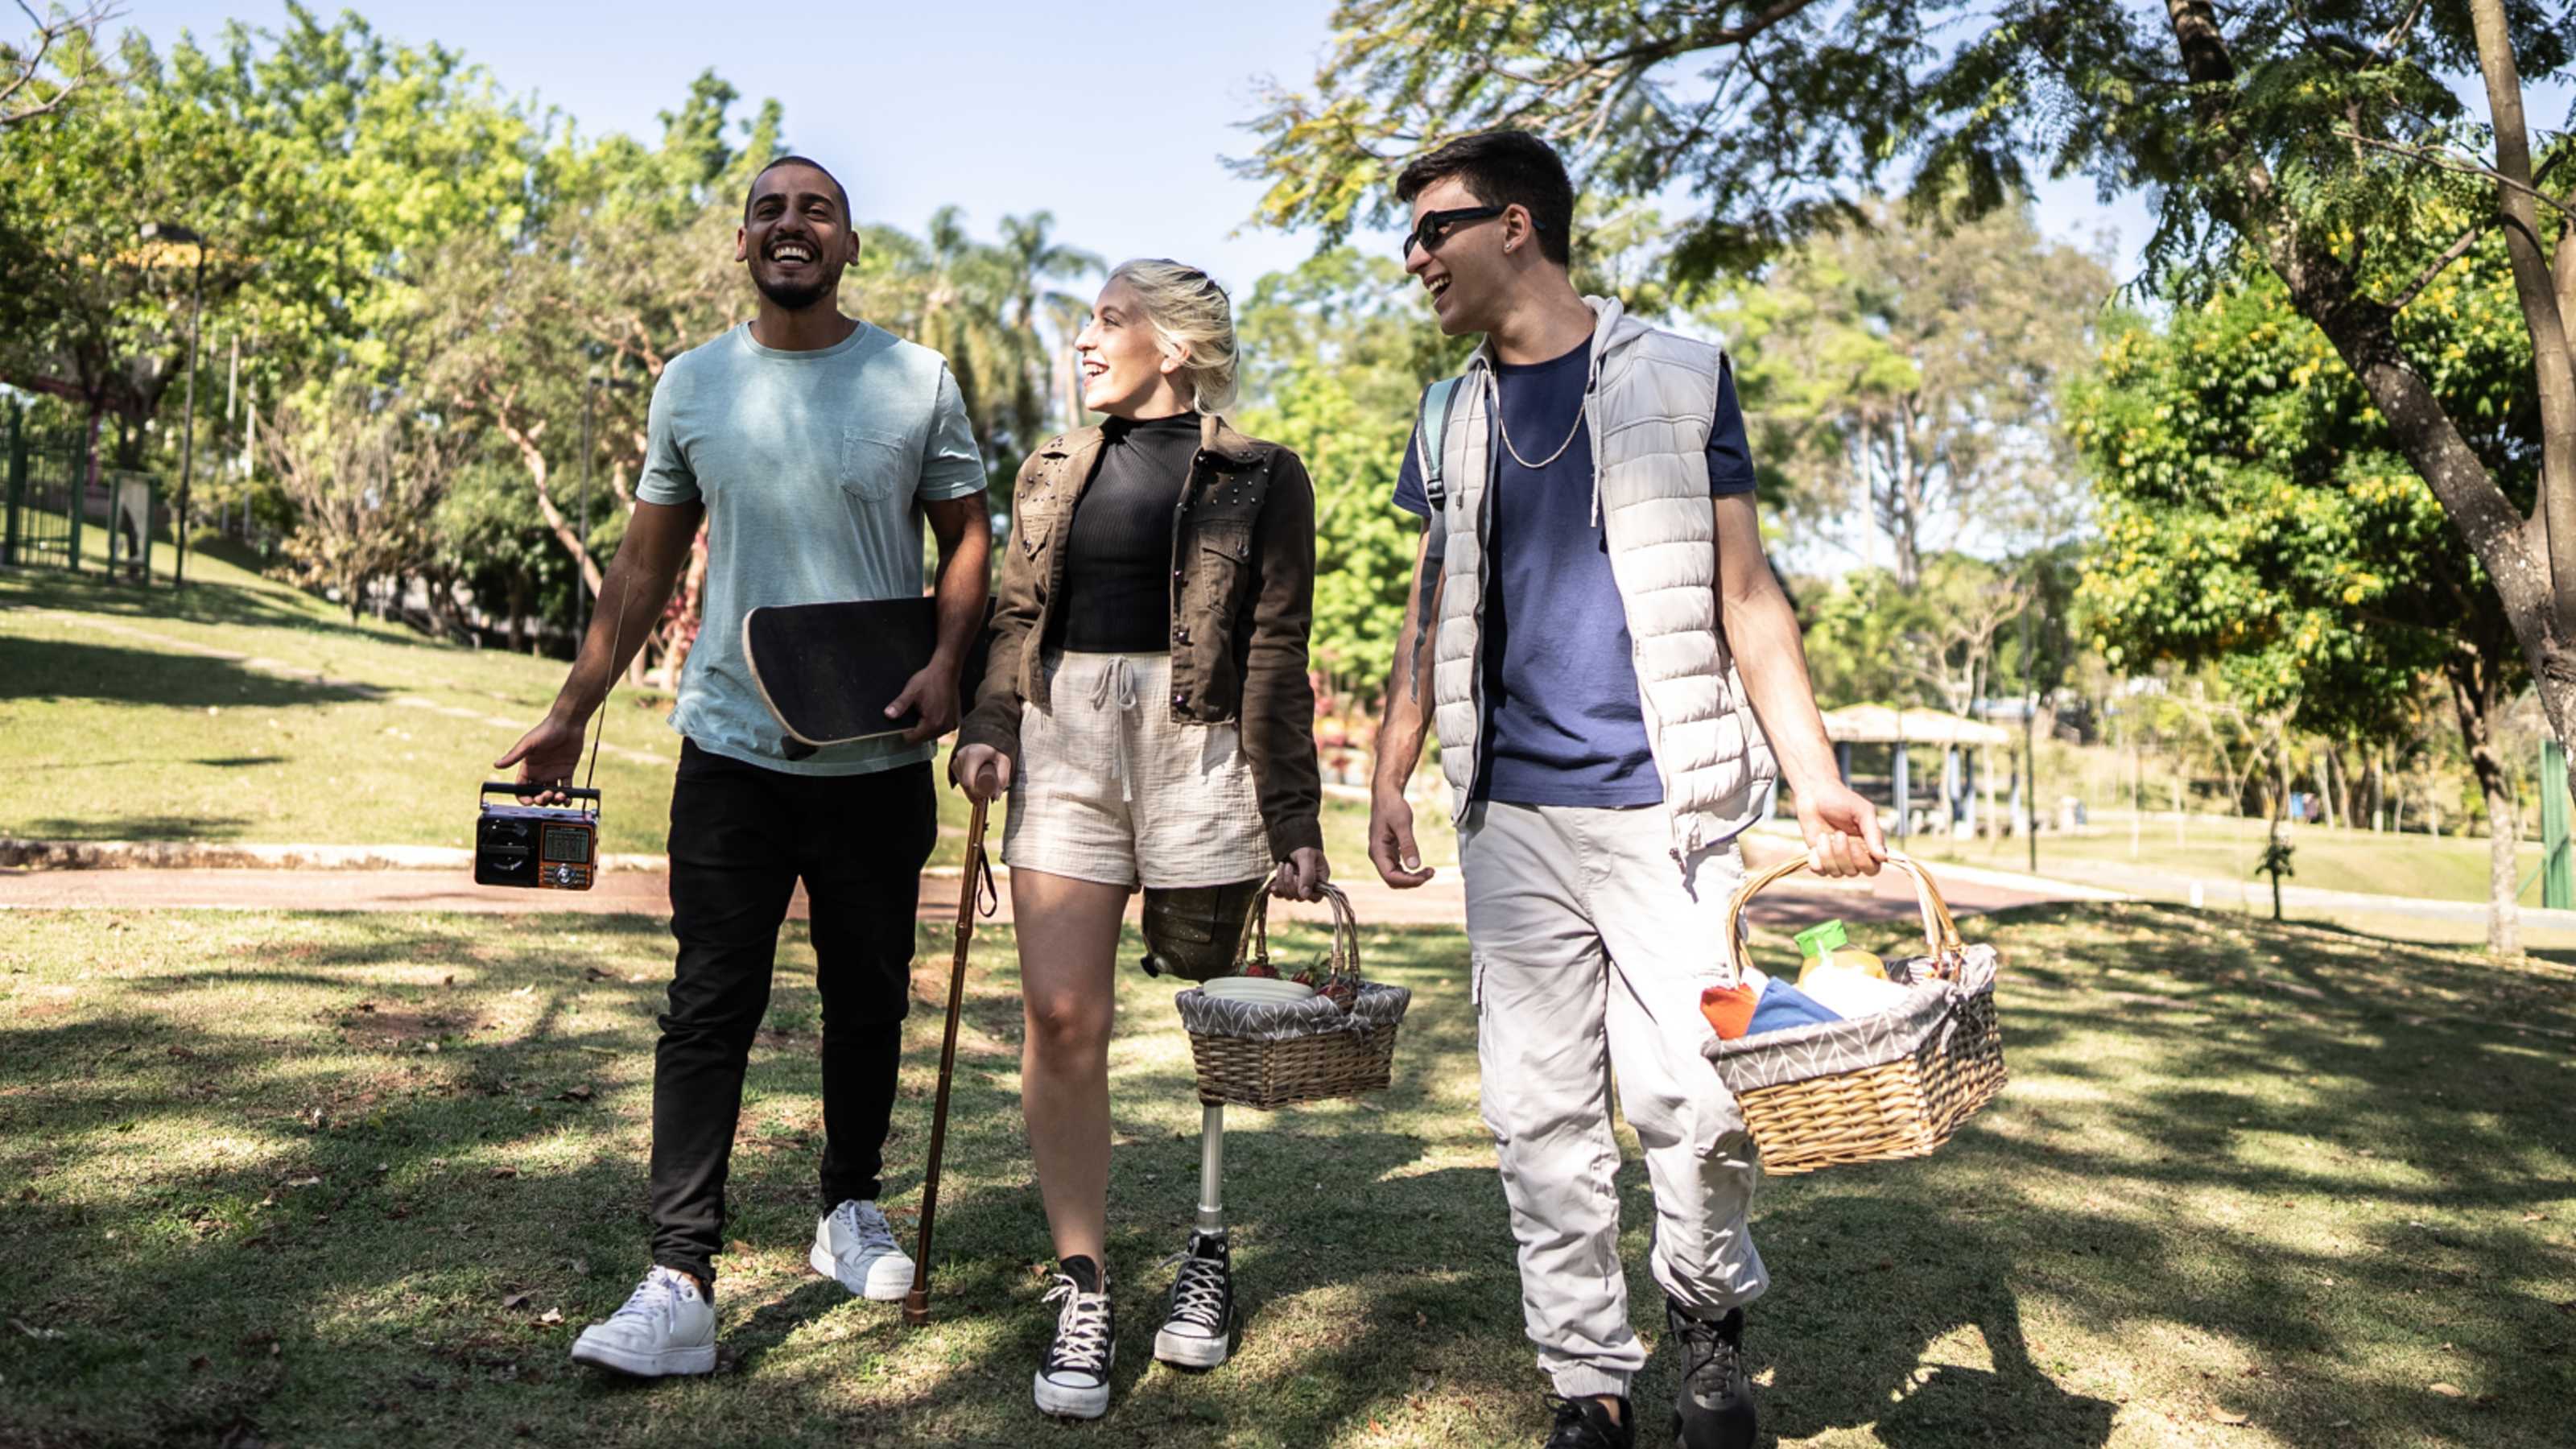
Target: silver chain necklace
<point x="1505" y="428"/>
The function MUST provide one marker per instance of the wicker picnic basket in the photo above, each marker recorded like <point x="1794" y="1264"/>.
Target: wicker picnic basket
<point x="1261" y="1055"/>
<point x="1867" y="1089"/>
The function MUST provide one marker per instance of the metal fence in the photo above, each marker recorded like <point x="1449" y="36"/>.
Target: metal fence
<point x="50" y="501"/>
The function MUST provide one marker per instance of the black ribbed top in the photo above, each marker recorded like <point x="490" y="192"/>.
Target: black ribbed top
<point x="1118" y="548"/>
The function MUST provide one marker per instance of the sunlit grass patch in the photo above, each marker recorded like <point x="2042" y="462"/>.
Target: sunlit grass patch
<point x="357" y="1179"/>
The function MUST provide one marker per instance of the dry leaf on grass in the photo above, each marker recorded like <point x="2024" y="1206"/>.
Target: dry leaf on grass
<point x="504" y="1173"/>
<point x="581" y="1093"/>
<point x="551" y="1317"/>
<point x="2450" y="1391"/>
<point x="515" y="1300"/>
<point x="2223" y="1416"/>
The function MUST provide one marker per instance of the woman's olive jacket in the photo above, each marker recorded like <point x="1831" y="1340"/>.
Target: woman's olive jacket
<point x="1243" y="591"/>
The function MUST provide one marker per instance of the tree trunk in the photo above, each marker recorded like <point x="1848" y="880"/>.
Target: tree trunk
<point x="2554" y="368"/>
<point x="2475" y="699"/>
<point x="2504" y="915"/>
<point x="526" y="437"/>
<point x="2514" y="550"/>
<point x="518" y="610"/>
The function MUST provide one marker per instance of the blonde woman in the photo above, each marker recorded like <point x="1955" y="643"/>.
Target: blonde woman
<point x="1148" y="711"/>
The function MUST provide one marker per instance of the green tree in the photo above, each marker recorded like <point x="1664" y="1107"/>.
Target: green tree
<point x="57" y="58"/>
<point x="1336" y="352"/>
<point x="489" y="541"/>
<point x="365" y="473"/>
<point x="1909" y="372"/>
<point x="2258" y="515"/>
<point x="2329" y="137"/>
<point x="320" y="163"/>
<point x="1033" y="261"/>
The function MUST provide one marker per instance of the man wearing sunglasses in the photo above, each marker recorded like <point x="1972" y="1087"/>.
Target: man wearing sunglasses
<point x="1618" y="684"/>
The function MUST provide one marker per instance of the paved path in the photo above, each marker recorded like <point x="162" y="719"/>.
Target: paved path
<point x="1795" y="902"/>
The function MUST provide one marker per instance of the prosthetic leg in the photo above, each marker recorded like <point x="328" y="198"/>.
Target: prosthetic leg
<point x="1198" y="934"/>
<point x="1212" y="1169"/>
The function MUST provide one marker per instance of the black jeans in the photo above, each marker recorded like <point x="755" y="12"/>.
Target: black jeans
<point x="741" y="836"/>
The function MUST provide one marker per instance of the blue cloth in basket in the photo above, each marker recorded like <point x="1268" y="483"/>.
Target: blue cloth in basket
<point x="1782" y="1005"/>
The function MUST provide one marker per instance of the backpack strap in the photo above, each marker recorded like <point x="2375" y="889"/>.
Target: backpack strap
<point x="1431" y="447"/>
<point x="1431" y="434"/>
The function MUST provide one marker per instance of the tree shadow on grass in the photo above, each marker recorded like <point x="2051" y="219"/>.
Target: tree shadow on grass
<point x="2280" y="1133"/>
<point x="55" y="669"/>
<point x="201" y="603"/>
<point x="2196" y="1107"/>
<point x="134" y="827"/>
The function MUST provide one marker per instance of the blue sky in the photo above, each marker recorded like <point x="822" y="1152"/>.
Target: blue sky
<point x="1113" y="118"/>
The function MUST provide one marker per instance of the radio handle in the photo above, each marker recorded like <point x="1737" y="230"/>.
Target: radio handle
<point x="533" y="787"/>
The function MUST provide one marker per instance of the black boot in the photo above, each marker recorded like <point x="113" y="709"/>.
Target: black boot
<point x="1587" y="1424"/>
<point x="1714" y="1409"/>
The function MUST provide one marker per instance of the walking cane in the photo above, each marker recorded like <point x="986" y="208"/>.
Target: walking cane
<point x="974" y="892"/>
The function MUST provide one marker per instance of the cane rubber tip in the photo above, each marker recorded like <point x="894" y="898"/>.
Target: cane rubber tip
<point x="916" y="1309"/>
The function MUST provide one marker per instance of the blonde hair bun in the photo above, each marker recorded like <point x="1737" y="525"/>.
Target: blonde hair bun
<point x="1191" y="315"/>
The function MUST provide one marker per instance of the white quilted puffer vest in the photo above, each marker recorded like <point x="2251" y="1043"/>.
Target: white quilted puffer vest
<point x="1651" y="402"/>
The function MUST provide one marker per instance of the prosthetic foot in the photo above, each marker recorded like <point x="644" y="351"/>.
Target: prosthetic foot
<point x="1198" y="1320"/>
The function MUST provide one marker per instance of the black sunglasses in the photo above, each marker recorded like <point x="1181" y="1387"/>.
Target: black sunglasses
<point x="1436" y="226"/>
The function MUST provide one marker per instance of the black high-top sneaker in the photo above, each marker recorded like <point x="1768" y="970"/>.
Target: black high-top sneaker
<point x="1198" y="1321"/>
<point x="1714" y="1409"/>
<point x="1073" y="1379"/>
<point x="1587" y="1424"/>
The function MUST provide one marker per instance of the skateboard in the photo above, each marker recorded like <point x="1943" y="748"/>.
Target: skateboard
<point x="828" y="671"/>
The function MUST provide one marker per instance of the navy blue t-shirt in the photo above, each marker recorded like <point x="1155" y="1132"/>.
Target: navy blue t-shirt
<point x="1562" y="723"/>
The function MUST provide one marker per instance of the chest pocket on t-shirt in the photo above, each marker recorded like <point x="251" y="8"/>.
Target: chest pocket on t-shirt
<point x="876" y="465"/>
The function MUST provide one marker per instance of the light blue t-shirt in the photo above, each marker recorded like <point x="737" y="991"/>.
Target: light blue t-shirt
<point x="813" y="467"/>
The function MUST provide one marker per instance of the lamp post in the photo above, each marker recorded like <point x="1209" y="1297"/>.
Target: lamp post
<point x="580" y="580"/>
<point x="172" y="231"/>
<point x="2029" y="750"/>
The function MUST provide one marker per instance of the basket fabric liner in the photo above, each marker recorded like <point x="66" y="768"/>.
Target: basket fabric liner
<point x="1824" y="1049"/>
<point x="1204" y="1015"/>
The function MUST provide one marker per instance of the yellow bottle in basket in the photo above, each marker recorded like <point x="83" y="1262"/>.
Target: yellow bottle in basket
<point x="1828" y="948"/>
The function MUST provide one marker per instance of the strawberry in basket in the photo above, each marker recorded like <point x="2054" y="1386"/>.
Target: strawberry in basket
<point x="1341" y="988"/>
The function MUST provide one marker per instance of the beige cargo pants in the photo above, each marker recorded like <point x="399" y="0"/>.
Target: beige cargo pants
<point x="1591" y="946"/>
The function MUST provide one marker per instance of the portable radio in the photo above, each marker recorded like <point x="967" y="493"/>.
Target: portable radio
<point x="548" y="847"/>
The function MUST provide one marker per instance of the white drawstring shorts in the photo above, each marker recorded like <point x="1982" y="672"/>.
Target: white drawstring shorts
<point x="1109" y="787"/>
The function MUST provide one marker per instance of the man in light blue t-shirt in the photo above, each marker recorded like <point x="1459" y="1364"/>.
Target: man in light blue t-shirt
<point x="813" y="447"/>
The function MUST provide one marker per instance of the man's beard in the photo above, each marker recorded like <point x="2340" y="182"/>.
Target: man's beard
<point x="796" y="298"/>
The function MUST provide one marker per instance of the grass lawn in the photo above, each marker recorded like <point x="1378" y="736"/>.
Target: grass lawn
<point x="2218" y="847"/>
<point x="354" y="1180"/>
<point x="245" y="710"/>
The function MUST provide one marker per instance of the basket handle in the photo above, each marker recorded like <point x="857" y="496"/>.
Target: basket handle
<point x="1940" y="933"/>
<point x="1252" y="943"/>
<point x="1346" y="931"/>
<point x="1254" y="940"/>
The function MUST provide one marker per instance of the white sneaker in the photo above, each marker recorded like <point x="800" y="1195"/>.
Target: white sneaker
<point x="666" y="1327"/>
<point x="1073" y="1379"/>
<point x="855" y="1244"/>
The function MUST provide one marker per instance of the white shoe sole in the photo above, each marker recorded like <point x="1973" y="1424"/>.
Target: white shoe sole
<point x="1067" y="1403"/>
<point x="653" y="1364"/>
<point x="889" y="1279"/>
<point x="1189" y="1350"/>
